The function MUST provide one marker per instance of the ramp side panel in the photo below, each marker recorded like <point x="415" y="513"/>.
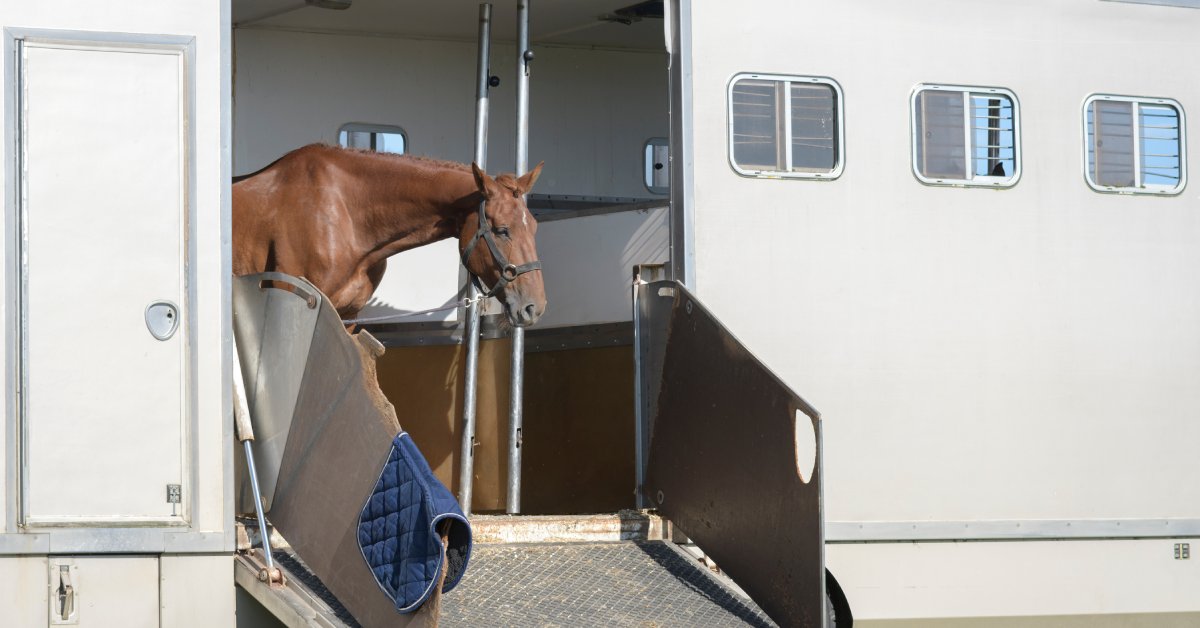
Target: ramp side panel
<point x="274" y="329"/>
<point x="727" y="460"/>
<point x="340" y="438"/>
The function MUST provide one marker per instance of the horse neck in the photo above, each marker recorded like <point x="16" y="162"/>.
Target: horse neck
<point x="403" y="204"/>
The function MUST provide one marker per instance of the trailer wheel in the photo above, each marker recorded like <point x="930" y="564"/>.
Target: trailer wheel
<point x="836" y="605"/>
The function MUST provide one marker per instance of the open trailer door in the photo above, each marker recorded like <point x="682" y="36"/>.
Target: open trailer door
<point x="734" y="456"/>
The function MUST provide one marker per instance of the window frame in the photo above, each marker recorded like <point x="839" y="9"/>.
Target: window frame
<point x="1148" y="190"/>
<point x="839" y="122"/>
<point x="370" y="127"/>
<point x="646" y="165"/>
<point x="985" y="181"/>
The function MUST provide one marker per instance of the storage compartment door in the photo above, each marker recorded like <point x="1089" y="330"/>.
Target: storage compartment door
<point x="104" y="319"/>
<point x="104" y="591"/>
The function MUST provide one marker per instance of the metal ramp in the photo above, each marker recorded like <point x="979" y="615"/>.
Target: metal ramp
<point x="623" y="583"/>
<point x="628" y="583"/>
<point x="729" y="453"/>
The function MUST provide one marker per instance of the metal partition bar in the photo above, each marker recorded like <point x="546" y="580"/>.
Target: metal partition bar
<point x="649" y="342"/>
<point x="515" y="418"/>
<point x="639" y="430"/>
<point x="466" y="467"/>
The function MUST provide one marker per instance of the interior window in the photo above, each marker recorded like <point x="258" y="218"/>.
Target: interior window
<point x="378" y="137"/>
<point x="656" y="165"/>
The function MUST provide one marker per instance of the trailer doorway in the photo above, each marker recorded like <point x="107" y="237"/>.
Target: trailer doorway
<point x="599" y="109"/>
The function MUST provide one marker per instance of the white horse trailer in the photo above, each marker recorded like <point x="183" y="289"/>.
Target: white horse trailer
<point x="964" y="230"/>
<point x="1006" y="372"/>
<point x="116" y="451"/>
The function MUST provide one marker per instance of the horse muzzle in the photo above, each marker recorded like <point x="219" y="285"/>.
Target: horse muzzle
<point x="523" y="312"/>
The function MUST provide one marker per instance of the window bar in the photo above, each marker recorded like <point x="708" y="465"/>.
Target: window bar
<point x="920" y="141"/>
<point x="968" y="136"/>
<point x="1097" y="156"/>
<point x="1135" y="109"/>
<point x="785" y="104"/>
<point x="993" y="137"/>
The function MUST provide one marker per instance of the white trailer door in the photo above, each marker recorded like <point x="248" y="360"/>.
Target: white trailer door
<point x="103" y="259"/>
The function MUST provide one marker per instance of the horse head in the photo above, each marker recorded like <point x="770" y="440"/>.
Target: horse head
<point x="508" y="264"/>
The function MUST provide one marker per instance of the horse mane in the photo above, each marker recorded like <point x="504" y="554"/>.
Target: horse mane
<point x="420" y="159"/>
<point x="507" y="180"/>
<point x="432" y="162"/>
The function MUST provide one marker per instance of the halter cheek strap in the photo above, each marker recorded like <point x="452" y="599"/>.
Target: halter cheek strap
<point x="508" y="271"/>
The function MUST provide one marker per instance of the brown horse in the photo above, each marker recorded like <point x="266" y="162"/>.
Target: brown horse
<point x="334" y="216"/>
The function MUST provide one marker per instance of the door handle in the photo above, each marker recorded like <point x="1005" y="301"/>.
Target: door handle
<point x="66" y="592"/>
<point x="162" y="319"/>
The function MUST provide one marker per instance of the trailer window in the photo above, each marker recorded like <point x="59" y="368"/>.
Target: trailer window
<point x="656" y="165"/>
<point x="966" y="136"/>
<point x="378" y="137"/>
<point x="1134" y="145"/>
<point x="785" y="126"/>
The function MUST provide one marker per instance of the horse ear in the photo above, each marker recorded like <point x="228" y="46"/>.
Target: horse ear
<point x="482" y="181"/>
<point x="526" y="182"/>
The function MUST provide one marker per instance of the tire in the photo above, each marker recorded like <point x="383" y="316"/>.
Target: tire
<point x="837" y="607"/>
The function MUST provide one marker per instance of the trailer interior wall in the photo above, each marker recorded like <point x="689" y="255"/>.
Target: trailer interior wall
<point x="195" y="550"/>
<point x="592" y="109"/>
<point x="989" y="363"/>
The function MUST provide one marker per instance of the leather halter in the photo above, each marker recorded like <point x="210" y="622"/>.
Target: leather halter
<point x="508" y="271"/>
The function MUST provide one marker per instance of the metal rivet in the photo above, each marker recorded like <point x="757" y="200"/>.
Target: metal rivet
<point x="689" y="307"/>
<point x="659" y="496"/>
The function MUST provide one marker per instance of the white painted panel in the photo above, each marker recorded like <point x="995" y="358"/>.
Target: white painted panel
<point x="103" y="211"/>
<point x="591" y="111"/>
<point x="587" y="264"/>
<point x="110" y="590"/>
<point x="1013" y="579"/>
<point x="197" y="591"/>
<point x="25" y="600"/>
<point x="976" y="355"/>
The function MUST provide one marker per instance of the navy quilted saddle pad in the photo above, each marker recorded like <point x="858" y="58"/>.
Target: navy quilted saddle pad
<point x="398" y="529"/>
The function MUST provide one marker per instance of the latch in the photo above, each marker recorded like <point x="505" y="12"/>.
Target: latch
<point x="63" y="609"/>
<point x="162" y="319"/>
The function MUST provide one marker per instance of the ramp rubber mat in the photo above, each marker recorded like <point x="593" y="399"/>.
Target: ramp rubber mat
<point x="631" y="583"/>
<point x="647" y="584"/>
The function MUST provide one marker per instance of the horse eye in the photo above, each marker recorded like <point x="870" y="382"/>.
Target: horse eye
<point x="501" y="231"/>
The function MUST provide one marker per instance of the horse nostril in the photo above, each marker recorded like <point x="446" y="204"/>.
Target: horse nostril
<point x="531" y="311"/>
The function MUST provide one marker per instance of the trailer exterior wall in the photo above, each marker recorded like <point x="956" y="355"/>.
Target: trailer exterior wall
<point x="188" y="560"/>
<point x="982" y="358"/>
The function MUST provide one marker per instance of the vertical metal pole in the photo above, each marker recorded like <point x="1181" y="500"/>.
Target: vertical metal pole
<point x="524" y="57"/>
<point x="516" y="391"/>
<point x="639" y="412"/>
<point x="515" y="422"/>
<point x="466" y="468"/>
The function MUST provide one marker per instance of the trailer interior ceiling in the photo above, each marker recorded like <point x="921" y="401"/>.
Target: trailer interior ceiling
<point x="609" y="23"/>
